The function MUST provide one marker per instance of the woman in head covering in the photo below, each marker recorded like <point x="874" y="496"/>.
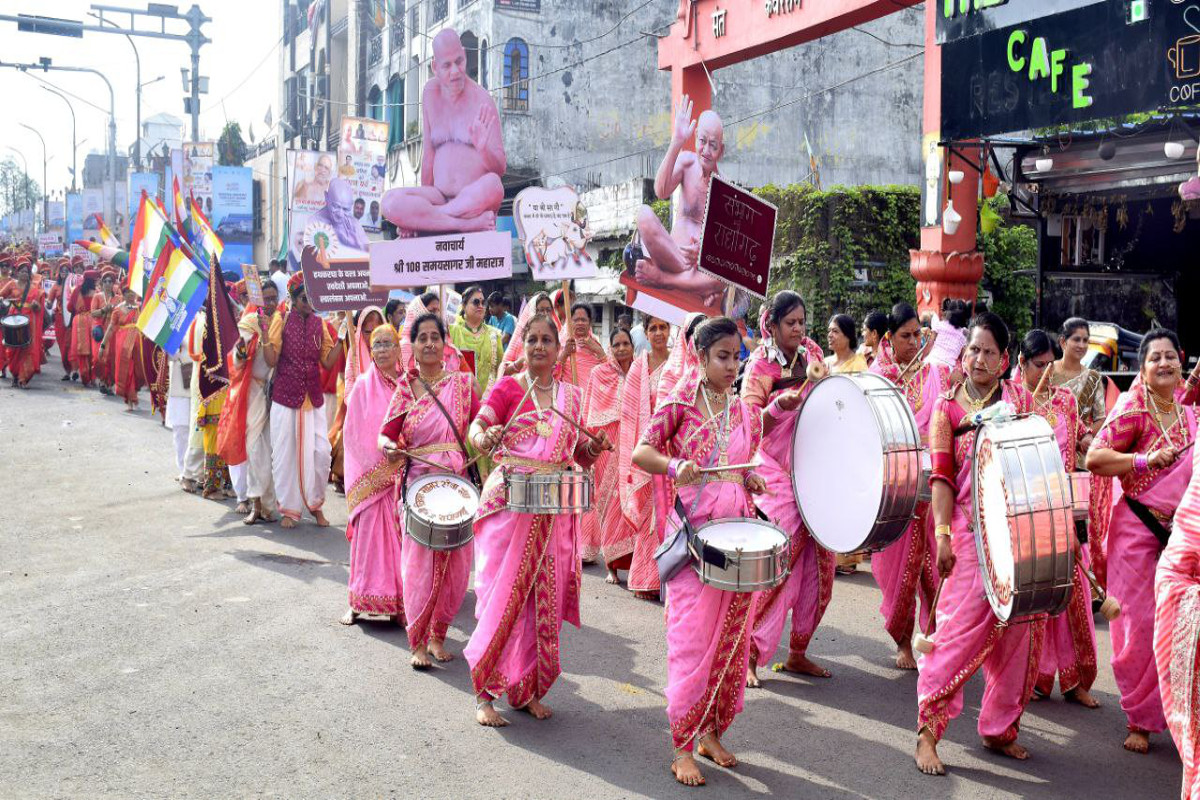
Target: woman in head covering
<point x="582" y="352"/>
<point x="470" y="333"/>
<point x="24" y="296"/>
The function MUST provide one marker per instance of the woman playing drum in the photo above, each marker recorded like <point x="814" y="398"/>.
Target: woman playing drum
<point x="1069" y="649"/>
<point x="641" y="531"/>
<point x="703" y="423"/>
<point x="1177" y="631"/>
<point x="602" y="530"/>
<point x="527" y="575"/>
<point x="24" y="296"/>
<point x="1140" y="444"/>
<point x="905" y="568"/>
<point x="772" y="375"/>
<point x="434" y="581"/>
<point x="969" y="635"/>
<point x="371" y="526"/>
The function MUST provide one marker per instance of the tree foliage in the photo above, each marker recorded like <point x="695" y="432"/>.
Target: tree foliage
<point x="1009" y="269"/>
<point x="17" y="190"/>
<point x="231" y="147"/>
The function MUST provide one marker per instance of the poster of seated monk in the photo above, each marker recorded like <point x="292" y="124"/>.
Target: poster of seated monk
<point x="333" y="229"/>
<point x="462" y="153"/>
<point x="664" y="264"/>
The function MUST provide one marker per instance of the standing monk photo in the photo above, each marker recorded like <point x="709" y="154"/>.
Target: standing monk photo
<point x="462" y="155"/>
<point x="670" y="260"/>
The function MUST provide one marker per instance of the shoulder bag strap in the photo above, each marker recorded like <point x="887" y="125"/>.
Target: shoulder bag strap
<point x="1147" y="518"/>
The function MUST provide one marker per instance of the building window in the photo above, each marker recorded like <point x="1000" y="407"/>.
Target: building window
<point x="438" y="11"/>
<point x="516" y="75"/>
<point x="470" y="43"/>
<point x="375" y="103"/>
<point x="395" y="111"/>
<point x="483" y="63"/>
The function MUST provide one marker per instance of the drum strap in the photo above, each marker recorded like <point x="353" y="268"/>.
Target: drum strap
<point x="702" y="551"/>
<point x="472" y="471"/>
<point x="1148" y="519"/>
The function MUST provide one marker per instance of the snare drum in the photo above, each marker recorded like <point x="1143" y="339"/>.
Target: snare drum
<point x="1081" y="493"/>
<point x="1023" y="517"/>
<point x="856" y="462"/>
<point x="566" y="492"/>
<point x="756" y="553"/>
<point x="17" y="330"/>
<point x="439" y="511"/>
<point x="925" y="494"/>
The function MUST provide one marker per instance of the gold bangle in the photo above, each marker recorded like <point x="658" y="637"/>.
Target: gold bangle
<point x="942" y="530"/>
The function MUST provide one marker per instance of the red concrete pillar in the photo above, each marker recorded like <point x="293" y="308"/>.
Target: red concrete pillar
<point x="946" y="265"/>
<point x="694" y="82"/>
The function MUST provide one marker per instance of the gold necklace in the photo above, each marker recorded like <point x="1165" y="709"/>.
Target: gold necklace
<point x="977" y="405"/>
<point x="542" y="426"/>
<point x="786" y="372"/>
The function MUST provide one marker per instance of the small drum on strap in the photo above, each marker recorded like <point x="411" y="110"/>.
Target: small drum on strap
<point x="565" y="492"/>
<point x="18" y="332"/>
<point x="856" y="462"/>
<point x="439" y="511"/>
<point x="1023" y="517"/>
<point x="754" y="553"/>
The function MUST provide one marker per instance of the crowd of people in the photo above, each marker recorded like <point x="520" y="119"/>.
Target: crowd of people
<point x="660" y="416"/>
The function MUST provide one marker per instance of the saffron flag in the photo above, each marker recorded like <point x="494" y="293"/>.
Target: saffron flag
<point x="117" y="257"/>
<point x="150" y="235"/>
<point x="106" y="234"/>
<point x="173" y="298"/>
<point x="181" y="216"/>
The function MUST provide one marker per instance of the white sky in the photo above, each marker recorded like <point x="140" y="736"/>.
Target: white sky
<point x="243" y="33"/>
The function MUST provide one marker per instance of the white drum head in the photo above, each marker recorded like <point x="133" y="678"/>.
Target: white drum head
<point x="995" y="535"/>
<point x="16" y="321"/>
<point x="837" y="464"/>
<point x="442" y="499"/>
<point x="747" y="535"/>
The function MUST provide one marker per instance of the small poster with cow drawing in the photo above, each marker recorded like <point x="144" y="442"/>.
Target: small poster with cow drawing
<point x="553" y="227"/>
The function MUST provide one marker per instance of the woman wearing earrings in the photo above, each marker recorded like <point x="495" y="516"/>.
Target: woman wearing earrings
<point x="703" y="423"/>
<point x="527" y="565"/>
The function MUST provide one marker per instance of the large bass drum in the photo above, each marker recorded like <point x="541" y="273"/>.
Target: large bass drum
<point x="1023" y="517"/>
<point x="856" y="462"/>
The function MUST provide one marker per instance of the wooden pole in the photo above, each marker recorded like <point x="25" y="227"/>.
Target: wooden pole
<point x="566" y="322"/>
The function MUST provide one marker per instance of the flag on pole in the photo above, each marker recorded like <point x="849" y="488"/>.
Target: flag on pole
<point x="118" y="257"/>
<point x="207" y="244"/>
<point x="106" y="234"/>
<point x="180" y="215"/>
<point x="149" y="238"/>
<point x="220" y="333"/>
<point x="173" y="298"/>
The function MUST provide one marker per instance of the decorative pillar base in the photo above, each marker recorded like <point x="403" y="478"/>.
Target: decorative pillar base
<point x="940" y="275"/>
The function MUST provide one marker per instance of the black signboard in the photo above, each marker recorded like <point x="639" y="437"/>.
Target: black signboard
<point x="1083" y="64"/>
<point x="957" y="19"/>
<point x="532" y="6"/>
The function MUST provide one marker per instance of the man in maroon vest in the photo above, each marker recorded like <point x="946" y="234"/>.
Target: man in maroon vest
<point x="297" y="345"/>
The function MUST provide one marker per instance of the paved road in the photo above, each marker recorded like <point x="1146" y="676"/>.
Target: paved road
<point x="154" y="646"/>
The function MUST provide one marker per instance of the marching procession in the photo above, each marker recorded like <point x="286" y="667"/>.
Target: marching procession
<point x="1002" y="496"/>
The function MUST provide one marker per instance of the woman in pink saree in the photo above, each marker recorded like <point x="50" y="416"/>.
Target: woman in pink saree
<point x="1177" y="631"/>
<point x="968" y="633"/>
<point x="603" y="532"/>
<point x="514" y="354"/>
<point x="372" y="526"/>
<point x="1069" y="650"/>
<point x="527" y="568"/>
<point x="434" y="581"/>
<point x="582" y="352"/>
<point x="703" y="423"/>
<point x="639" y="525"/>
<point x="905" y="570"/>
<point x="1140" y="444"/>
<point x="773" y="385"/>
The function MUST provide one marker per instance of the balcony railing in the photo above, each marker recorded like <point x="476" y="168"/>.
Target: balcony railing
<point x="375" y="50"/>
<point x="438" y="11"/>
<point x="398" y="32"/>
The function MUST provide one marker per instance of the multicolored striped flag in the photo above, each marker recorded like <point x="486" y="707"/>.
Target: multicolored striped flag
<point x="175" y="294"/>
<point x="150" y="235"/>
<point x="207" y="244"/>
<point x="115" y="255"/>
<point x="106" y="234"/>
<point x="181" y="217"/>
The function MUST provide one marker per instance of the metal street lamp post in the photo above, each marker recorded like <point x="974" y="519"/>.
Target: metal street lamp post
<point x="45" y="201"/>
<point x="74" y="146"/>
<point x="137" y="60"/>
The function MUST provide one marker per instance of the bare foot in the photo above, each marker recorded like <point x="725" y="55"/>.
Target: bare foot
<point x="710" y="747"/>
<point x="1081" y="696"/>
<point x="242" y="507"/>
<point x="904" y="656"/>
<point x="350" y="618"/>
<point x="320" y="518"/>
<point x="288" y="522"/>
<point x="752" y="681"/>
<point x="537" y="709"/>
<point x="484" y="222"/>
<point x="612" y="577"/>
<point x="487" y="716"/>
<point x="420" y="659"/>
<point x="253" y="517"/>
<point x="686" y="770"/>
<point x="927" y="755"/>
<point x="188" y="485"/>
<point x="438" y="650"/>
<point x="1012" y="749"/>
<point x="801" y="664"/>
<point x="1137" y="742"/>
<point x="651" y="596"/>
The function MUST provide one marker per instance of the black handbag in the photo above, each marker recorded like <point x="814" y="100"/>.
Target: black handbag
<point x="681" y="547"/>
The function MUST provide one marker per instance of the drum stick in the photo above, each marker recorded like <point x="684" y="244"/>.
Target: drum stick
<point x="424" y="461"/>
<point x="726" y="468"/>
<point x="504" y="430"/>
<point x="917" y="360"/>
<point x="578" y="427"/>
<point x="1042" y="380"/>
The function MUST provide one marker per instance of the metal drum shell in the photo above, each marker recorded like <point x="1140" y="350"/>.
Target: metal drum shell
<point x="565" y="492"/>
<point x="436" y="535"/>
<point x="765" y="569"/>
<point x="17" y="330"/>
<point x="900" y="441"/>
<point x="1081" y="493"/>
<point x="1039" y="513"/>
